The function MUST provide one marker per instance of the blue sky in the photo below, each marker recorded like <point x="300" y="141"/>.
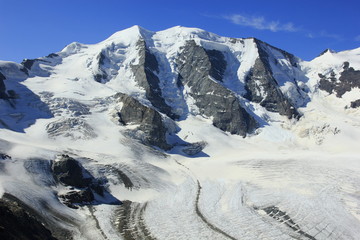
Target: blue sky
<point x="30" y="29"/>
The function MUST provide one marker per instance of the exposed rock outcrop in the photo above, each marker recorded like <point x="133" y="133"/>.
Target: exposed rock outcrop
<point x="40" y="66"/>
<point x="69" y="172"/>
<point x="349" y="78"/>
<point x="71" y="198"/>
<point x="151" y="129"/>
<point x="145" y="75"/>
<point x="101" y="76"/>
<point x="28" y="65"/>
<point x="18" y="223"/>
<point x="355" y="104"/>
<point x="262" y="87"/>
<point x="199" y="70"/>
<point x="3" y="94"/>
<point x="4" y="156"/>
<point x="194" y="148"/>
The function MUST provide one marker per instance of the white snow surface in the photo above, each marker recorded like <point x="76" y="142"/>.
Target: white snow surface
<point x="308" y="169"/>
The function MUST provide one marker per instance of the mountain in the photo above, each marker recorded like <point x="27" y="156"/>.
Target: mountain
<point x="180" y="134"/>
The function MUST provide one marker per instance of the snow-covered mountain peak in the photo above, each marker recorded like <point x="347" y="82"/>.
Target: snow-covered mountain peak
<point x="327" y="51"/>
<point x="187" y="33"/>
<point x="330" y="58"/>
<point x="73" y="48"/>
<point x="130" y="35"/>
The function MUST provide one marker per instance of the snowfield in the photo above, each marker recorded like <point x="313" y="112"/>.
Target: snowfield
<point x="290" y="179"/>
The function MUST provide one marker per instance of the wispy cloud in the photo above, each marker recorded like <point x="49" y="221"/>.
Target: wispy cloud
<point x="324" y="34"/>
<point x="261" y="23"/>
<point x="357" y="38"/>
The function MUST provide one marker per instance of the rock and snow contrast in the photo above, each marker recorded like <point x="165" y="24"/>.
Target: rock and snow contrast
<point x="180" y="134"/>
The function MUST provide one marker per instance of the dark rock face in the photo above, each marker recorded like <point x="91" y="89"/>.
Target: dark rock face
<point x="84" y="186"/>
<point x="28" y="63"/>
<point x="4" y="156"/>
<point x="145" y="76"/>
<point x="290" y="57"/>
<point x="3" y="94"/>
<point x="18" y="224"/>
<point x="33" y="66"/>
<point x="69" y="172"/>
<point x="150" y="121"/>
<point x="52" y="55"/>
<point x="327" y="83"/>
<point x="77" y="197"/>
<point x="218" y="64"/>
<point x="349" y="78"/>
<point x="102" y="76"/>
<point x="197" y="69"/>
<point x="262" y="88"/>
<point x="194" y="148"/>
<point x="355" y="104"/>
<point x="10" y="94"/>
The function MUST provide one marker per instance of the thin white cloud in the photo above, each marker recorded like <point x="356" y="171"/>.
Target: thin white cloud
<point x="357" y="38"/>
<point x="330" y="35"/>
<point x="310" y="35"/>
<point x="324" y="34"/>
<point x="261" y="23"/>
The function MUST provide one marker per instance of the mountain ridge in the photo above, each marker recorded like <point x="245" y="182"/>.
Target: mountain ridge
<point x="261" y="74"/>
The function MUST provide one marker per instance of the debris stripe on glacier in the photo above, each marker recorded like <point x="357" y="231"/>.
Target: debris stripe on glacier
<point x="173" y="216"/>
